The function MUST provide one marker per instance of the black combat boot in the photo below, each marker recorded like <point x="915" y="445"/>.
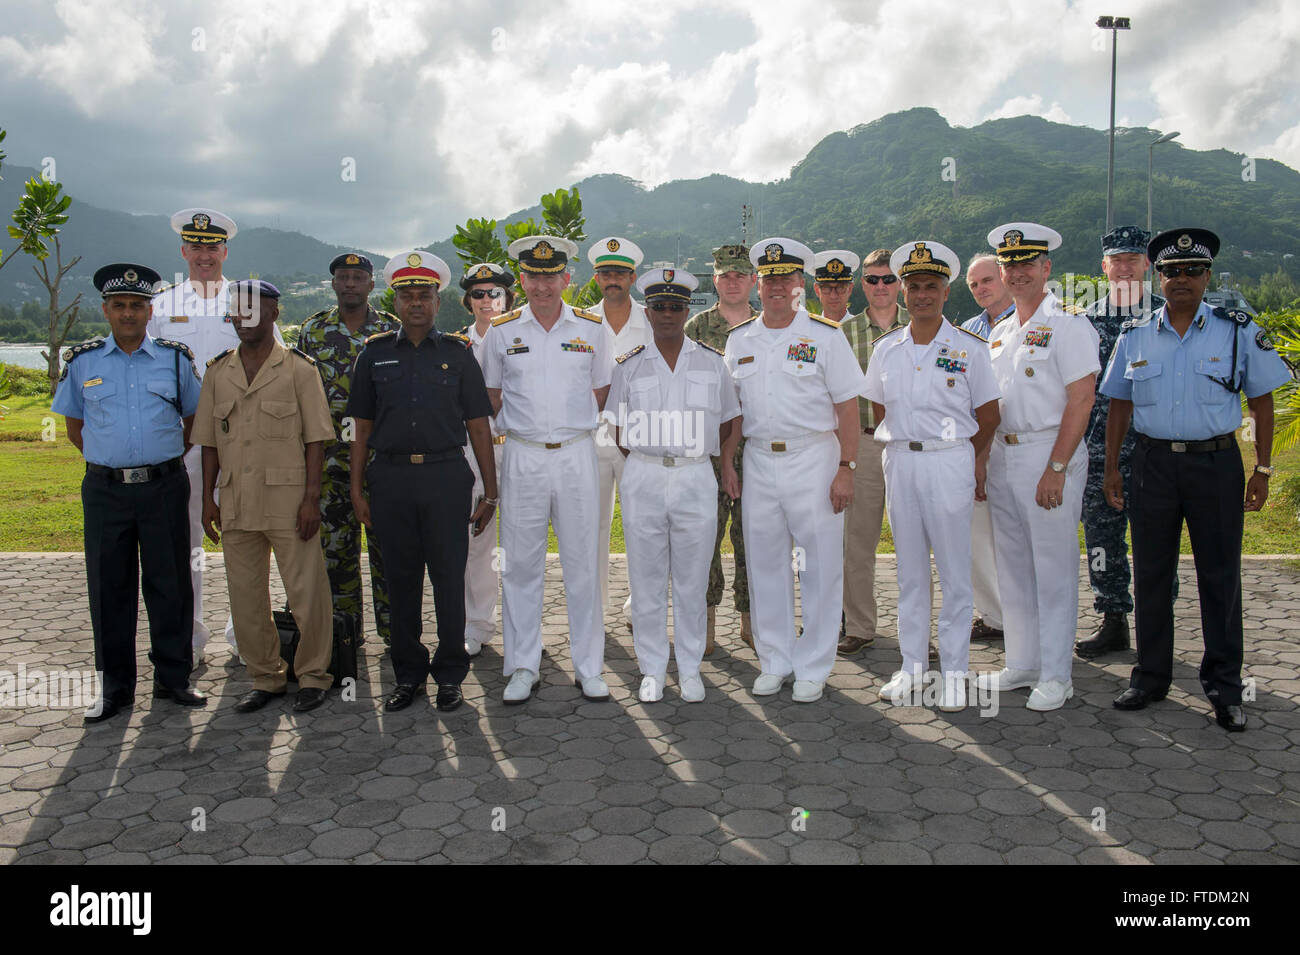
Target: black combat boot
<point x="1112" y="635"/>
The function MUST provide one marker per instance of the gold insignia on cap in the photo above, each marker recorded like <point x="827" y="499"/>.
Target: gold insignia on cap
<point x="920" y="254"/>
<point x="130" y="276"/>
<point x="543" y="251"/>
<point x="352" y="260"/>
<point x="668" y="275"/>
<point x="483" y="272"/>
<point x="1011" y="239"/>
<point x="835" y="266"/>
<point x="1184" y="242"/>
<point x="612" y="245"/>
<point x="413" y="259"/>
<point x="773" y="252"/>
<point x="200" y="221"/>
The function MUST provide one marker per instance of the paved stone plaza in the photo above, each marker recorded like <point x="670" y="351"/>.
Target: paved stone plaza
<point x="848" y="779"/>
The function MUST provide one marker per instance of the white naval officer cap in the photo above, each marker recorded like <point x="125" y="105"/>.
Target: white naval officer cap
<point x="780" y="256"/>
<point x="835" y="265"/>
<point x="204" y="226"/>
<point x="414" y="268"/>
<point x="925" y="257"/>
<point x="615" y="252"/>
<point x="667" y="285"/>
<point x="1022" y="241"/>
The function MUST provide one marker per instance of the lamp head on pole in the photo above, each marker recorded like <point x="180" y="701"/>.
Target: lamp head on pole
<point x="1114" y="23"/>
<point x="1165" y="138"/>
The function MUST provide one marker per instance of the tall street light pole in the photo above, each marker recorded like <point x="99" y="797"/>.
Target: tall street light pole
<point x="1151" y="151"/>
<point x="1114" y="25"/>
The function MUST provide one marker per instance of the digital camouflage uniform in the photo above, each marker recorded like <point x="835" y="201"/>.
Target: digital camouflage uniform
<point x="711" y="328"/>
<point x="326" y="338"/>
<point x="1103" y="526"/>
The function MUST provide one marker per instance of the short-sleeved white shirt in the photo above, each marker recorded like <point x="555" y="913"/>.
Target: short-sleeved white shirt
<point x="181" y="314"/>
<point x="790" y="379"/>
<point x="672" y="412"/>
<point x="1034" y="361"/>
<point x="930" y="392"/>
<point x="636" y="330"/>
<point x="547" y="378"/>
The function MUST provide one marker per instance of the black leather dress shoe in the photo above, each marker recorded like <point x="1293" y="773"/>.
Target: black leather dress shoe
<point x="184" y="696"/>
<point x="449" y="697"/>
<point x="255" y="700"/>
<point x="1111" y="637"/>
<point x="401" y="697"/>
<point x="106" y="708"/>
<point x="979" y="630"/>
<point x="1232" y="717"/>
<point x="1135" y="699"/>
<point x="309" y="697"/>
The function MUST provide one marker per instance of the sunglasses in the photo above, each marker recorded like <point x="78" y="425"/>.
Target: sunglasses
<point x="1191" y="271"/>
<point x="877" y="279"/>
<point x="487" y="293"/>
<point x="664" y="307"/>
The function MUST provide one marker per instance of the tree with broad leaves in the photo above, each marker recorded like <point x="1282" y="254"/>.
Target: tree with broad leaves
<point x="39" y="214"/>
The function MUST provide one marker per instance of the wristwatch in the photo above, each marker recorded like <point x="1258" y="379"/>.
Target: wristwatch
<point x="851" y="465"/>
<point x="1264" y="469"/>
<point x="1056" y="466"/>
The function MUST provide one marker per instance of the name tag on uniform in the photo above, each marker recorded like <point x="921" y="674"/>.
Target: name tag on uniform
<point x="802" y="352"/>
<point x="1138" y="364"/>
<point x="179" y="319"/>
<point x="517" y="350"/>
<point x="995" y="344"/>
<point x="746" y="360"/>
<point x="91" y="382"/>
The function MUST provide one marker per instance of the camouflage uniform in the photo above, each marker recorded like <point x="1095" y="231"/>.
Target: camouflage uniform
<point x="711" y="328"/>
<point x="1103" y="526"/>
<point x="326" y="338"/>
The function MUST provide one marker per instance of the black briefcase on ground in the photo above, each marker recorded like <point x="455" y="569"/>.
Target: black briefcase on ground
<point x="343" y="661"/>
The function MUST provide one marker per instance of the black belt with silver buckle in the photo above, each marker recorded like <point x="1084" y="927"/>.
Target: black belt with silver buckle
<point x="141" y="475"/>
<point x="397" y="457"/>
<point x="1220" y="443"/>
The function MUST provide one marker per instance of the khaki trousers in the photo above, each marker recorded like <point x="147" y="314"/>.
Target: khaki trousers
<point x="306" y="584"/>
<point x="862" y="524"/>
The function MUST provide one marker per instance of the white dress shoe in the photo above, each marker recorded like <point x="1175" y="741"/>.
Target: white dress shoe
<point x="899" y="690"/>
<point x="521" y="686"/>
<point x="594" y="688"/>
<point x="473" y="646"/>
<point x="652" y="689"/>
<point x="692" y="688"/>
<point x="807" y="691"/>
<point x="1009" y="679"/>
<point x="768" y="684"/>
<point x="1049" y="695"/>
<point x="952" y="696"/>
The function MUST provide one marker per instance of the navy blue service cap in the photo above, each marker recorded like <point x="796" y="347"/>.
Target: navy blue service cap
<point x="1125" y="238"/>
<point x="123" y="278"/>
<point x="1183" y="247"/>
<point x="245" y="289"/>
<point x="481" y="272"/>
<point x="352" y="260"/>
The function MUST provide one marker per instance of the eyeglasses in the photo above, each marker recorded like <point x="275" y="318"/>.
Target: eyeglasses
<point x="877" y="279"/>
<point x="487" y="293"/>
<point x="1191" y="271"/>
<point x="664" y="307"/>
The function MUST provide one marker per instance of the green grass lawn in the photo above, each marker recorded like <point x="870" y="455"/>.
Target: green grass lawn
<point x="40" y="491"/>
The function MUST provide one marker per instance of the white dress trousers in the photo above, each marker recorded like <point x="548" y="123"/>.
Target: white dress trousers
<point x="482" y="578"/>
<point x="984" y="566"/>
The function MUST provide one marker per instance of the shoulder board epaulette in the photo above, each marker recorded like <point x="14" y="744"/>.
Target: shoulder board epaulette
<point x="181" y="347"/>
<point x="1073" y="309"/>
<point x="378" y="336"/>
<point x="894" y="331"/>
<point x="626" y="355"/>
<point x="1131" y="323"/>
<point x="75" y="350"/>
<point x="742" y="324"/>
<point x="165" y="288"/>
<point x="822" y="320"/>
<point x="463" y="331"/>
<point x="589" y="316"/>
<point x="457" y="337"/>
<point x="707" y="347"/>
<point x="971" y="334"/>
<point x="1233" y="314"/>
<point x="303" y="355"/>
<point x="507" y="317"/>
<point x="315" y="315"/>
<point x="216" y="358"/>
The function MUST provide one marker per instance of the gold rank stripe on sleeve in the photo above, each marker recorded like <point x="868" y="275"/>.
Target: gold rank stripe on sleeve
<point x="625" y="356"/>
<point x="507" y="317"/>
<point x="589" y="316"/>
<point x="216" y="358"/>
<point x="823" y="321"/>
<point x="972" y="334"/>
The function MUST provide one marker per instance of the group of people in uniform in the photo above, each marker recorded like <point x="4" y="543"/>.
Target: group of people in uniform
<point x="985" y="442"/>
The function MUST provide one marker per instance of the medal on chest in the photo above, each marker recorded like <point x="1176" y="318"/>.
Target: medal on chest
<point x="1039" y="337"/>
<point x="578" y="344"/>
<point x="802" y="351"/>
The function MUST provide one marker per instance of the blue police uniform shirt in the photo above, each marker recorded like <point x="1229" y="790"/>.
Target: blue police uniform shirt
<point x="1170" y="379"/>
<point x="126" y="402"/>
<point x="982" y="325"/>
